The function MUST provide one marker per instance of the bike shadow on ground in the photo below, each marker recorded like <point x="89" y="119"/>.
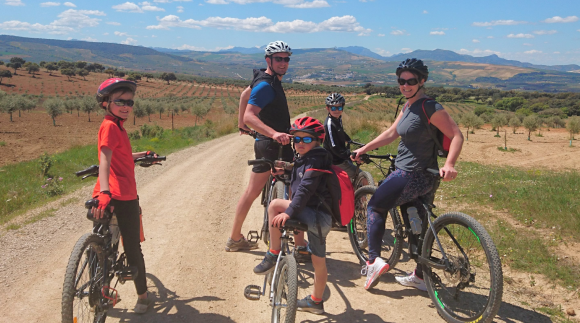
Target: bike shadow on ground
<point x="169" y="307"/>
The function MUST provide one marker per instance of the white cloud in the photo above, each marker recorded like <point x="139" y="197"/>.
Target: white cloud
<point x="556" y="52"/>
<point x="300" y="4"/>
<point x="120" y="34"/>
<point x="398" y="32"/>
<point x="169" y="1"/>
<point x="545" y="32"/>
<point x="69" y="4"/>
<point x="89" y="39"/>
<point x="114" y="23"/>
<point x="146" y="6"/>
<point x="129" y="41"/>
<point x="490" y="37"/>
<point x="128" y="6"/>
<point x="498" y="23"/>
<point x="71" y="20"/>
<point x="381" y="35"/>
<point x="533" y="51"/>
<point x="382" y="52"/>
<point x="438" y="33"/>
<point x="201" y="49"/>
<point x="425" y="12"/>
<point x="14" y="3"/>
<point x="406" y="50"/>
<point x="520" y="35"/>
<point x="106" y="34"/>
<point x="263" y="24"/>
<point x="558" y="19"/>
<point x="50" y="4"/>
<point x="476" y="41"/>
<point x="527" y="44"/>
<point x="478" y="52"/>
<point x="179" y="8"/>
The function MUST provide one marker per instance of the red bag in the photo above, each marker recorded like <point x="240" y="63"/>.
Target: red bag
<point x="441" y="140"/>
<point x="340" y="188"/>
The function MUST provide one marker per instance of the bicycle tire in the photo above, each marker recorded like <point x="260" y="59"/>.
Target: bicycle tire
<point x="357" y="230"/>
<point x="78" y="309"/>
<point x="285" y="290"/>
<point x="361" y="177"/>
<point x="472" y="290"/>
<point x="265" y="223"/>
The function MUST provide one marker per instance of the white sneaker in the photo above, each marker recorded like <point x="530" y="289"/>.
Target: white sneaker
<point x="374" y="271"/>
<point x="412" y="280"/>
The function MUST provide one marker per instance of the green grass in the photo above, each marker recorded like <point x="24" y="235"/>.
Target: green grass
<point x="21" y="183"/>
<point x="509" y="150"/>
<point x="2" y="143"/>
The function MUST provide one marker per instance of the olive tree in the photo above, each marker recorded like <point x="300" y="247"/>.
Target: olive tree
<point x="54" y="108"/>
<point x="138" y="110"/>
<point x="573" y="126"/>
<point x="499" y="121"/>
<point x="515" y="123"/>
<point x="5" y="73"/>
<point x="471" y="120"/>
<point x="89" y="105"/>
<point x="16" y="63"/>
<point x="531" y="123"/>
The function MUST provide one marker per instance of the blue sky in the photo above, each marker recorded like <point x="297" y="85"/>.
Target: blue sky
<point x="540" y="32"/>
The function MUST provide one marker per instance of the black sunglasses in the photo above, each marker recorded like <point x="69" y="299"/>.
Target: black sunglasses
<point x="122" y="103"/>
<point x="281" y="59"/>
<point x="332" y="108"/>
<point x="305" y="140"/>
<point x="412" y="81"/>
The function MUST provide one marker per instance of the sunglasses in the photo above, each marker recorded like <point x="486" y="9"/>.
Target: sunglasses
<point x="123" y="103"/>
<point x="336" y="108"/>
<point x="412" y="81"/>
<point x="281" y="59"/>
<point x="305" y="140"/>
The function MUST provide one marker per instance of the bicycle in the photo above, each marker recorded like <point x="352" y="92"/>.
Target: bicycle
<point x="277" y="186"/>
<point x="284" y="279"/>
<point x="95" y="262"/>
<point x="363" y="178"/>
<point x="461" y="266"/>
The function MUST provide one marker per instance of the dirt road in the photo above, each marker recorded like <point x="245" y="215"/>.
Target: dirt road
<point x="188" y="206"/>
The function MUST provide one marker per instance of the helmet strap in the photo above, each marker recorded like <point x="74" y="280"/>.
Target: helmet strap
<point x="111" y="112"/>
<point x="271" y="66"/>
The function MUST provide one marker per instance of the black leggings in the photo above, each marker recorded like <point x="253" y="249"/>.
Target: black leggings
<point x="128" y="218"/>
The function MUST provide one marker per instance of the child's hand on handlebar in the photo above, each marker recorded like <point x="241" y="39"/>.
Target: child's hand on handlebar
<point x="355" y="155"/>
<point x="278" y="171"/>
<point x="280" y="220"/>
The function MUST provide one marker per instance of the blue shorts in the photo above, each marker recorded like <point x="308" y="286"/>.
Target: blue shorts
<point x="309" y="216"/>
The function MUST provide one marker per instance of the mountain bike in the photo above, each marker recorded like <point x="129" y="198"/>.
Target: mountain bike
<point x="95" y="262"/>
<point x="277" y="187"/>
<point x="461" y="266"/>
<point x="363" y="178"/>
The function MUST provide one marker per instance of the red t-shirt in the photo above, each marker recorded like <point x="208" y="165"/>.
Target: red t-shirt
<point x="122" y="174"/>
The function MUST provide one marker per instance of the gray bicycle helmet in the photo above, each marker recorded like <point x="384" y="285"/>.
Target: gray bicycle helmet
<point x="413" y="65"/>
<point x="278" y="47"/>
<point x="335" y="99"/>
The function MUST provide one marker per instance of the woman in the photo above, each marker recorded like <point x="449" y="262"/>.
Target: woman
<point x="416" y="153"/>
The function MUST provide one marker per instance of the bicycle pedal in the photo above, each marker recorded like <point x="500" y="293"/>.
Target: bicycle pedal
<point x="253" y="236"/>
<point x="126" y="273"/>
<point x="252" y="292"/>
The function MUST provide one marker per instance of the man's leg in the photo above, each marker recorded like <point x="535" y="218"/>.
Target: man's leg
<point x="257" y="182"/>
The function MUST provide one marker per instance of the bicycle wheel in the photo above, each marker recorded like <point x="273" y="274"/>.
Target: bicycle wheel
<point x="357" y="229"/>
<point x="285" y="291"/>
<point x="81" y="292"/>
<point x="471" y="288"/>
<point x="363" y="178"/>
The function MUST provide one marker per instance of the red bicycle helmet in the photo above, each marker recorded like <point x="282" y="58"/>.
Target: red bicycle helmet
<point x="112" y="84"/>
<point x="309" y="125"/>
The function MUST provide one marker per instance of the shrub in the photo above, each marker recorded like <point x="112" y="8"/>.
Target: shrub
<point x="134" y="135"/>
<point x="45" y="162"/>
<point x="53" y="186"/>
<point x="151" y="131"/>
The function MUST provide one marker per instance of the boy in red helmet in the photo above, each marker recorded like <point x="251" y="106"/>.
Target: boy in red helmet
<point x="116" y="187"/>
<point x="308" y="186"/>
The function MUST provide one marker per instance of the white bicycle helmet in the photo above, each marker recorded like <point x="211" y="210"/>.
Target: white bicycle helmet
<point x="335" y="99"/>
<point x="278" y="47"/>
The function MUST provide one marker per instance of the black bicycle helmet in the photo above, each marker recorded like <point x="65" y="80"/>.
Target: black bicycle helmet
<point x="335" y="99"/>
<point x="415" y="66"/>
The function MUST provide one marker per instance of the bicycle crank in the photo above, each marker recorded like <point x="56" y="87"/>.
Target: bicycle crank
<point x="252" y="292"/>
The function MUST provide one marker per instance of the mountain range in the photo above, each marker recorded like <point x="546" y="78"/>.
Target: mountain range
<point x="339" y="65"/>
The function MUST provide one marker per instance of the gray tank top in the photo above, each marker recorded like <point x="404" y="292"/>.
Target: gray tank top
<point x="417" y="149"/>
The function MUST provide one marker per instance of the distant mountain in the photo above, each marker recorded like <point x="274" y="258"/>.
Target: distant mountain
<point x="442" y="55"/>
<point x="362" y="51"/>
<point x="244" y="50"/>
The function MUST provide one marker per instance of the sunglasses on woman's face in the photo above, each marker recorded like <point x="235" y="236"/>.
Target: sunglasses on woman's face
<point x="281" y="59"/>
<point x="412" y="81"/>
<point x="122" y="103"/>
<point x="305" y="140"/>
<point x="336" y="108"/>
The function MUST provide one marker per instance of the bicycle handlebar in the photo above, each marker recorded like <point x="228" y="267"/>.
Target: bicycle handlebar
<point x="141" y="161"/>
<point x="251" y="133"/>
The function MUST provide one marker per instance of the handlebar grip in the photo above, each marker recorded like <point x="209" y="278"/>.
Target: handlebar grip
<point x="91" y="170"/>
<point x="255" y="162"/>
<point x="433" y="172"/>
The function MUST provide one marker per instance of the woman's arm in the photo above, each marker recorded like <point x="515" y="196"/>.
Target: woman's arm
<point x="443" y="121"/>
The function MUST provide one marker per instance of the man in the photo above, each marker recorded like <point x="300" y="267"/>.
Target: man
<point x="267" y="113"/>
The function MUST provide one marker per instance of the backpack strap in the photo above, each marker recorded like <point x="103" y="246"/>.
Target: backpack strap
<point x="321" y="202"/>
<point x="428" y="123"/>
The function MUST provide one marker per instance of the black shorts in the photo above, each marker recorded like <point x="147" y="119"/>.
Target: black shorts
<point x="269" y="149"/>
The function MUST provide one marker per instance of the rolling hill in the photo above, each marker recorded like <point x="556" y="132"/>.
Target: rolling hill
<point x="340" y="66"/>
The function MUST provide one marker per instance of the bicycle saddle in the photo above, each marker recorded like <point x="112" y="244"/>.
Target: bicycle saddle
<point x="295" y="225"/>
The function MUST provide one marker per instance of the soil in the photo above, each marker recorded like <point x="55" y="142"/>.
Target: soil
<point x="188" y="205"/>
